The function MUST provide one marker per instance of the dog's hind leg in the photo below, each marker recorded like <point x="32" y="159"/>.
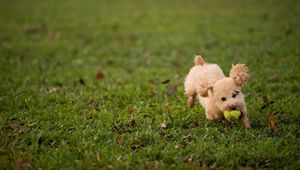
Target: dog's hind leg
<point x="190" y="91"/>
<point x="191" y="100"/>
<point x="191" y="94"/>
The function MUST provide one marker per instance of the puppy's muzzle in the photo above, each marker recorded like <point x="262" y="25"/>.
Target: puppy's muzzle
<point x="232" y="107"/>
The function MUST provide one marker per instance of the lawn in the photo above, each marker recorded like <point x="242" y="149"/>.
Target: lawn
<point x="99" y="84"/>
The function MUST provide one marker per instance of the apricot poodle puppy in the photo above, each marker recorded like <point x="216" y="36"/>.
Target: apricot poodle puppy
<point x="216" y="92"/>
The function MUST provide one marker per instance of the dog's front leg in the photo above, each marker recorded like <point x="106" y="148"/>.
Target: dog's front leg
<point x="212" y="112"/>
<point x="244" y="118"/>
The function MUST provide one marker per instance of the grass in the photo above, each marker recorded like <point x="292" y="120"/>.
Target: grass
<point x="56" y="114"/>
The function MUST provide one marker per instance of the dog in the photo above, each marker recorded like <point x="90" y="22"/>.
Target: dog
<point x="216" y="92"/>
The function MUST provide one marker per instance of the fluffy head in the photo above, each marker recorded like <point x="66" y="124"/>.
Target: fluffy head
<point x="227" y="95"/>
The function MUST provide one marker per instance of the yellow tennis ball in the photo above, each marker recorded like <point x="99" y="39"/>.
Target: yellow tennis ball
<point x="232" y="115"/>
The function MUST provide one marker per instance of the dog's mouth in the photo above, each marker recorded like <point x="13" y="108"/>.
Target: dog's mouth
<point x="230" y="110"/>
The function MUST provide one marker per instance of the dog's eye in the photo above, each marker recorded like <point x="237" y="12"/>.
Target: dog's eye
<point x="223" y="98"/>
<point x="234" y="95"/>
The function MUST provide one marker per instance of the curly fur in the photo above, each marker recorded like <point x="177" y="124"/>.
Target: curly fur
<point x="239" y="73"/>
<point x="215" y="91"/>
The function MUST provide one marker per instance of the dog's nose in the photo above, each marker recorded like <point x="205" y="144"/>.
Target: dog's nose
<point x="232" y="107"/>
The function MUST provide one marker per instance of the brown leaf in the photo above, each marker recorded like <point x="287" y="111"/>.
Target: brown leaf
<point x="152" y="81"/>
<point x="162" y="134"/>
<point x="98" y="157"/>
<point x="21" y="129"/>
<point x="136" y="144"/>
<point x="35" y="29"/>
<point x="272" y="121"/>
<point x="132" y="123"/>
<point x="152" y="94"/>
<point x="209" y="167"/>
<point x="177" y="64"/>
<point x="165" y="81"/>
<point x="120" y="141"/>
<point x="13" y="126"/>
<point x="99" y="75"/>
<point x="187" y="136"/>
<point x="91" y="101"/>
<point x="32" y="30"/>
<point x="25" y="57"/>
<point x="274" y="78"/>
<point x="172" y="90"/>
<point x="131" y="110"/>
<point x="163" y="124"/>
<point x="21" y="163"/>
<point x="191" y="124"/>
<point x="81" y="81"/>
<point x="53" y="34"/>
<point x="54" y="90"/>
<point x="189" y="158"/>
<point x="71" y="129"/>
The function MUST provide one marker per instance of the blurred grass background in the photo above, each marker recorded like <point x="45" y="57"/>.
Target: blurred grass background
<point x="81" y="83"/>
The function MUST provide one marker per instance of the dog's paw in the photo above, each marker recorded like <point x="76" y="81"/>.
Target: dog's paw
<point x="190" y="103"/>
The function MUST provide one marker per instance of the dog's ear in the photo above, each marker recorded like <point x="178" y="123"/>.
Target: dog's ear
<point x="205" y="92"/>
<point x="210" y="90"/>
<point x="239" y="73"/>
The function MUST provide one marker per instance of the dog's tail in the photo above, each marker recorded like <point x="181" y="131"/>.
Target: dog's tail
<point x="198" y="60"/>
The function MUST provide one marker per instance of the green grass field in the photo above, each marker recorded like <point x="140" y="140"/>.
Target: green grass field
<point x="99" y="84"/>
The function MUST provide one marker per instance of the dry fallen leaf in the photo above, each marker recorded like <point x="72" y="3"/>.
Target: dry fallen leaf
<point x="162" y="134"/>
<point x="71" y="129"/>
<point x="81" y="81"/>
<point x="189" y="158"/>
<point x="21" y="129"/>
<point x="191" y="124"/>
<point x="165" y="81"/>
<point x="54" y="90"/>
<point x="136" y="144"/>
<point x="91" y="101"/>
<point x="209" y="167"/>
<point x="99" y="75"/>
<point x="272" y="121"/>
<point x="152" y="94"/>
<point x="163" y="124"/>
<point x="131" y="110"/>
<point x="21" y="163"/>
<point x="53" y="34"/>
<point x="13" y="126"/>
<point x="187" y="136"/>
<point x="152" y="81"/>
<point x="98" y="157"/>
<point x="274" y="78"/>
<point x="172" y="90"/>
